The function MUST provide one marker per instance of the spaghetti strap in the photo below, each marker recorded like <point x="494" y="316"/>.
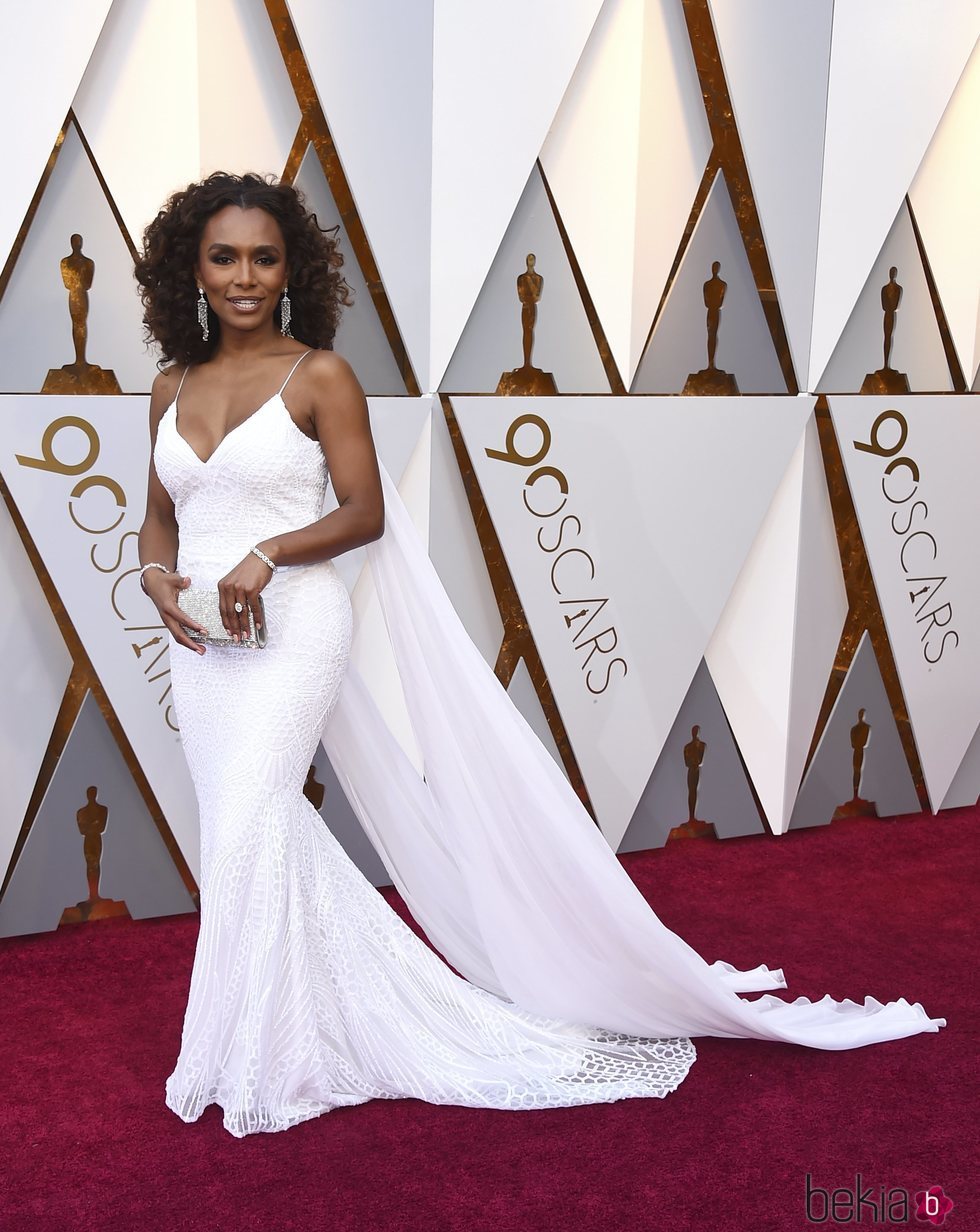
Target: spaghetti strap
<point x="292" y="370"/>
<point x="180" y="386"/>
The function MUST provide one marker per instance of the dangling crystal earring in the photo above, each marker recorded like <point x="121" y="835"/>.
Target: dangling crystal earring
<point x="286" y="309"/>
<point x="202" y="314"/>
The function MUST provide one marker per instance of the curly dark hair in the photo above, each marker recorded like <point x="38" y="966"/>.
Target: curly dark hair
<point x="165" y="269"/>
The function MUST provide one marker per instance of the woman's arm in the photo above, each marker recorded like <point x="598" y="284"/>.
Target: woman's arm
<point x="338" y="411"/>
<point x="158" y="534"/>
<point x="340" y="415"/>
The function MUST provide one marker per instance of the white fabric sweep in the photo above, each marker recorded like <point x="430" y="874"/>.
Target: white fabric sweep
<point x="308" y="993"/>
<point x="503" y="867"/>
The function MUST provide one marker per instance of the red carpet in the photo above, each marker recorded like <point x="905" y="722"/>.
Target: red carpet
<point x="91" y="1025"/>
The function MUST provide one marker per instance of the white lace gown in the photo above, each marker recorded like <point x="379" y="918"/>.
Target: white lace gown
<point x="307" y="991"/>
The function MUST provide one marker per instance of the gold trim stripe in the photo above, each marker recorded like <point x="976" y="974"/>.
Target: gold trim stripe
<point x="84" y="677"/>
<point x="952" y="359"/>
<point x="71" y="703"/>
<point x="731" y="158"/>
<point x="297" y="152"/>
<point x="518" y="640"/>
<point x="317" y="131"/>
<point x="864" y="608"/>
<point x="110" y="200"/>
<point x="711" y="169"/>
<point x="613" y="375"/>
<point x="25" y="226"/>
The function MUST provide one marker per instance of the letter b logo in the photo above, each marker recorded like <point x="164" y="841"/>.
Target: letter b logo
<point x="817" y="1202"/>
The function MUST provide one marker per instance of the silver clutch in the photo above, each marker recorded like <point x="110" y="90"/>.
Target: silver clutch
<point x="204" y="606"/>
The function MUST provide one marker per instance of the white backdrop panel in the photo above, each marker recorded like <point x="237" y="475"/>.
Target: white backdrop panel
<point x="945" y="196"/>
<point x="360" y="336"/>
<point x="46" y="47"/>
<point x="876" y="136"/>
<point x="35" y="322"/>
<point x="135" y="866"/>
<point x="625" y="522"/>
<point x="911" y="466"/>
<point x="139" y="106"/>
<point x="884" y="778"/>
<point x="916" y="346"/>
<point x="372" y="66"/>
<point x="36" y="670"/>
<point x="103" y="445"/>
<point x="562" y="342"/>
<point x="722" y="795"/>
<point x="524" y="697"/>
<point x="371" y="652"/>
<point x="249" y="114"/>
<point x="454" y="546"/>
<point x="750" y="655"/>
<point x="783" y="141"/>
<point x="598" y="127"/>
<point x="965" y="787"/>
<point x="624" y="158"/>
<point x="821" y="610"/>
<point x="500" y="72"/>
<point x="679" y="343"/>
<point x="773" y="650"/>
<point x="675" y="142"/>
<point x="396" y="424"/>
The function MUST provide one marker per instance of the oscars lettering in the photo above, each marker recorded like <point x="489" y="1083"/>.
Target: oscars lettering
<point x="919" y="551"/>
<point x="572" y="569"/>
<point x="156" y="645"/>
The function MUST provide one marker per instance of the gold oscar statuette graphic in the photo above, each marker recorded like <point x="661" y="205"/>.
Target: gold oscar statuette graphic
<point x="80" y="377"/>
<point x="91" y="819"/>
<point x="712" y="380"/>
<point x="693" y="758"/>
<point x="313" y="790"/>
<point x="527" y="379"/>
<point x="886" y="380"/>
<point x="856" y="807"/>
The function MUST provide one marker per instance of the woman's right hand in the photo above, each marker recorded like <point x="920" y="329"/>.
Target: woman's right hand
<point x="163" y="588"/>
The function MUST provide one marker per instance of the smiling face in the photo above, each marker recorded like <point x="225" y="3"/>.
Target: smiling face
<point x="241" y="263"/>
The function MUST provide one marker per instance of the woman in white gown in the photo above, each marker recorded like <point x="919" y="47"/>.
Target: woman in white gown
<point x="307" y="991"/>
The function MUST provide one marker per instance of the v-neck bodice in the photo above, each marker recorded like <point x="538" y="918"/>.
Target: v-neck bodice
<point x="206" y="461"/>
<point x="265" y="477"/>
<point x="278" y="394"/>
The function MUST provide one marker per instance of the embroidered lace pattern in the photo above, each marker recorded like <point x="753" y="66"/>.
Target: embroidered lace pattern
<point x="307" y="991"/>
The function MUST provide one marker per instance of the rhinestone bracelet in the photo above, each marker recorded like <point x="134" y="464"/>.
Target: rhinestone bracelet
<point x="262" y="556"/>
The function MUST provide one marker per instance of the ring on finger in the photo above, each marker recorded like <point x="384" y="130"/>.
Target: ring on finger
<point x="239" y="607"/>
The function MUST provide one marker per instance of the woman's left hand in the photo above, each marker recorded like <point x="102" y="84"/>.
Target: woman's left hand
<point x="242" y="585"/>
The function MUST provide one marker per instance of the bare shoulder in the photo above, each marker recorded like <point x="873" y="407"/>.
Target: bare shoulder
<point x="168" y="376"/>
<point x="166" y="381"/>
<point x="163" y="391"/>
<point x="331" y="369"/>
<point x="333" y="386"/>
